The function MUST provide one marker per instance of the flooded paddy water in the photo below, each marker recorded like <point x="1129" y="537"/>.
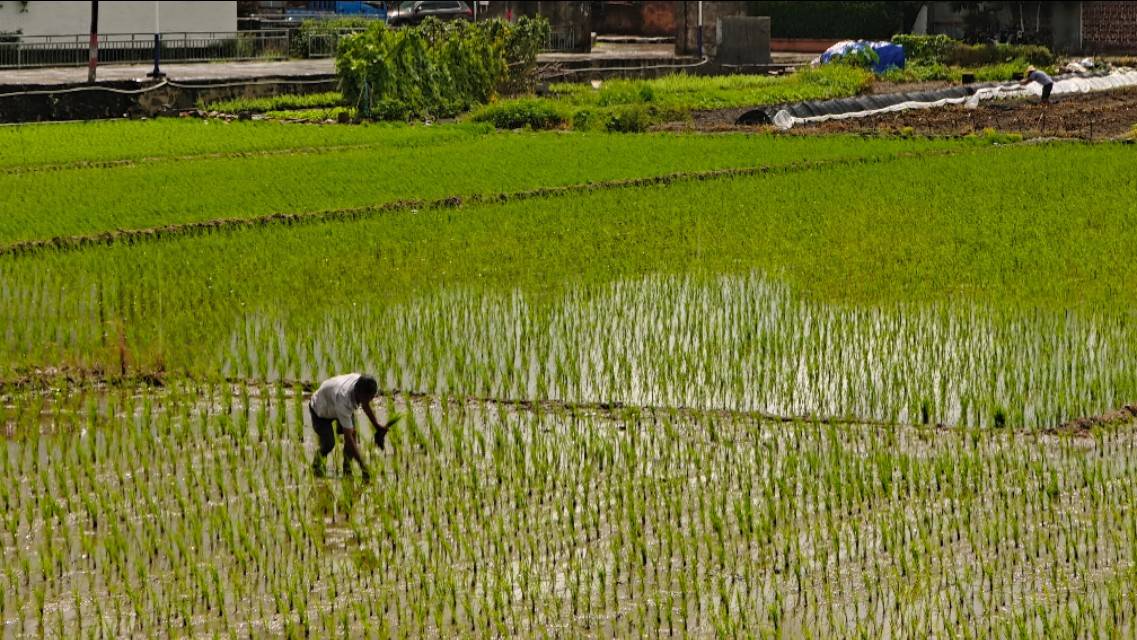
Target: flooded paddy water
<point x="192" y="510"/>
<point x="740" y="343"/>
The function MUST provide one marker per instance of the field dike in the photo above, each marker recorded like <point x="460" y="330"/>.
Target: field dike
<point x="148" y="234"/>
<point x="55" y="379"/>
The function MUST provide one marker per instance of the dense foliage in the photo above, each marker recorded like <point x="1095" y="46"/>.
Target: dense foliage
<point x="941" y="49"/>
<point x="438" y="69"/>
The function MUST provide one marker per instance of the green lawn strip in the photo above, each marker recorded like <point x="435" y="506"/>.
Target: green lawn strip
<point x="32" y="145"/>
<point x="44" y="205"/>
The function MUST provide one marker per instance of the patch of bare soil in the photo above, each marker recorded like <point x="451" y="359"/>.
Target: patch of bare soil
<point x="1098" y="116"/>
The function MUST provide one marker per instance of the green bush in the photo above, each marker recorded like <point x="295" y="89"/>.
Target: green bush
<point x="626" y="93"/>
<point x="940" y="49"/>
<point x="301" y="39"/>
<point x="631" y="118"/>
<point x="974" y="55"/>
<point x="437" y="69"/>
<point x="863" y="58"/>
<point x="925" y="49"/>
<point x="533" y="113"/>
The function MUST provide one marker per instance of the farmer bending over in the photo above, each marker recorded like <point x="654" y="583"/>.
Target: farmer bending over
<point x="1042" y="78"/>
<point x="336" y="400"/>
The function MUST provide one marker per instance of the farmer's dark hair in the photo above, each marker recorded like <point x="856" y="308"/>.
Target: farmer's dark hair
<point x="366" y="386"/>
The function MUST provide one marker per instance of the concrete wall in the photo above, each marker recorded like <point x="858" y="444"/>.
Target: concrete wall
<point x="743" y="40"/>
<point x="1066" y="24"/>
<point x="687" y="21"/>
<point x="95" y="104"/>
<point x="64" y="17"/>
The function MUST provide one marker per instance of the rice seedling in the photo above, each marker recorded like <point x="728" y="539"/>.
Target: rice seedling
<point x="598" y="522"/>
<point x="811" y="403"/>
<point x="371" y="170"/>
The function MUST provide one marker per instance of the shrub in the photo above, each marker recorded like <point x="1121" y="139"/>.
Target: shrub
<point x="587" y="120"/>
<point x="862" y="58"/>
<point x="940" y="49"/>
<point x="437" y="69"/>
<point x="626" y="93"/>
<point x="630" y="118"/>
<point x="925" y="49"/>
<point x="974" y="55"/>
<point x="533" y="113"/>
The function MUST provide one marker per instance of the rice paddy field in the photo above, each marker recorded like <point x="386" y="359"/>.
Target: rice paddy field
<point x="736" y="385"/>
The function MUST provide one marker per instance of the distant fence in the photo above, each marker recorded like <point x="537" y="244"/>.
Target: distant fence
<point x="72" y="50"/>
<point x="563" y="39"/>
<point x="323" y="45"/>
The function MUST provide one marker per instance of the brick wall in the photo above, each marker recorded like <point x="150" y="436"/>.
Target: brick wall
<point x="652" y="18"/>
<point x="1109" y="27"/>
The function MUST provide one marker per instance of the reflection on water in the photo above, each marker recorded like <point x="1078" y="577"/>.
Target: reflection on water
<point x="739" y="342"/>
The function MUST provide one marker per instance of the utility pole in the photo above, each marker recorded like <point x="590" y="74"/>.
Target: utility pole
<point x="699" y="35"/>
<point x="156" y="73"/>
<point x="93" y="56"/>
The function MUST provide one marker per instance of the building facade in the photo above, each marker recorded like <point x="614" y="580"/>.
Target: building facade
<point x="66" y="17"/>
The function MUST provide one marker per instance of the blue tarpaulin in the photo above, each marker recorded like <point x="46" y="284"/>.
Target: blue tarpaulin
<point x="890" y="55"/>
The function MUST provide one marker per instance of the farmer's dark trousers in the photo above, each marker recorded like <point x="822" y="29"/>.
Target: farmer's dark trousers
<point x="324" y="430"/>
<point x="1046" y="89"/>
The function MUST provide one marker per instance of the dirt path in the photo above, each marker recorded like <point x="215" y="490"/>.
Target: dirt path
<point x="1098" y="116"/>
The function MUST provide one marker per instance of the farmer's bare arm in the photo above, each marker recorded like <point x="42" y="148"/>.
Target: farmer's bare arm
<point x="351" y="450"/>
<point x="370" y="413"/>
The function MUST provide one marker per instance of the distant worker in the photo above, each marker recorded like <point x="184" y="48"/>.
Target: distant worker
<point x="1042" y="78"/>
<point x="336" y="400"/>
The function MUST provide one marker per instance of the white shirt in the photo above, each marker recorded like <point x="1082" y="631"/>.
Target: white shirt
<point x="335" y="399"/>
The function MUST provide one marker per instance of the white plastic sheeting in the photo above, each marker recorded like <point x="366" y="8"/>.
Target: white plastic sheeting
<point x="1117" y="79"/>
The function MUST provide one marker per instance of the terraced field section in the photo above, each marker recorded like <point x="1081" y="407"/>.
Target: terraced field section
<point x="655" y="385"/>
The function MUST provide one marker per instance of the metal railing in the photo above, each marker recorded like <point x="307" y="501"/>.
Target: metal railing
<point x="72" y="50"/>
<point x="324" y="45"/>
<point x="563" y="39"/>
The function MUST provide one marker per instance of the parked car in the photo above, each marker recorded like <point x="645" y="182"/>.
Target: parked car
<point x="415" y="12"/>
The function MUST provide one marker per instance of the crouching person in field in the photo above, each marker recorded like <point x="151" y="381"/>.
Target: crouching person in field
<point x="336" y="401"/>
